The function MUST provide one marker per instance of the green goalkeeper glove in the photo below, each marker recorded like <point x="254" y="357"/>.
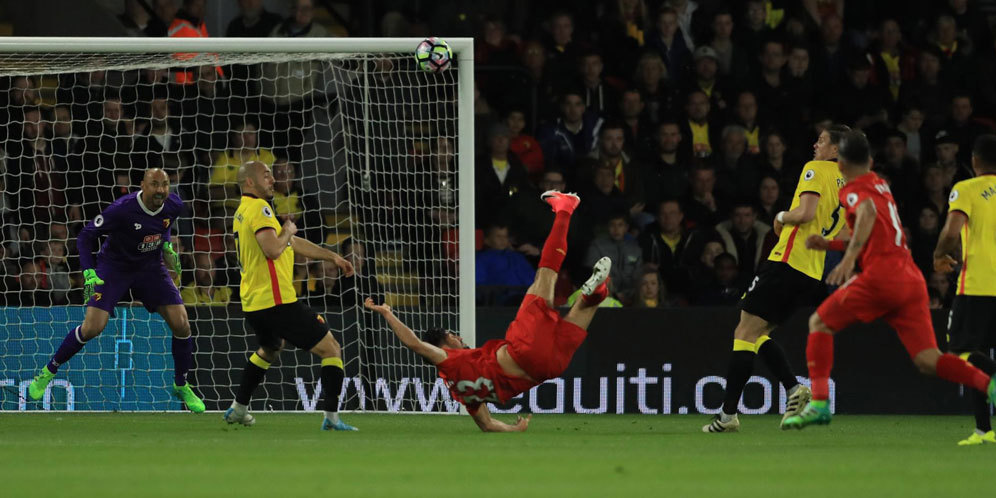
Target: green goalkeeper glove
<point x="90" y="280"/>
<point x="168" y="248"/>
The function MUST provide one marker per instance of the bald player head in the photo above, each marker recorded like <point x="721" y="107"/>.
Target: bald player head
<point x="155" y="188"/>
<point x="255" y="178"/>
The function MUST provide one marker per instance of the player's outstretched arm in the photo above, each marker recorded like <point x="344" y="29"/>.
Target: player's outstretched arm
<point x="310" y="250"/>
<point x="863" y="223"/>
<point x="432" y="353"/>
<point x="802" y="214"/>
<point x="482" y="417"/>
<point x="947" y="242"/>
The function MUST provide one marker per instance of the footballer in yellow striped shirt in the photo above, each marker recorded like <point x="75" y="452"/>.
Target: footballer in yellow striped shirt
<point x="266" y="260"/>
<point x="972" y="322"/>
<point x="790" y="278"/>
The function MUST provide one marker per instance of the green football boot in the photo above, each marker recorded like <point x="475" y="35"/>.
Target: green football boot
<point x="37" y="387"/>
<point x="976" y="439"/>
<point x="815" y="413"/>
<point x="186" y="394"/>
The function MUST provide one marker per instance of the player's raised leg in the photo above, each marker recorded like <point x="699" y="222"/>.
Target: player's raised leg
<point x="183" y="354"/>
<point x="93" y="324"/>
<point x="593" y="292"/>
<point x="332" y="374"/>
<point x="555" y="247"/>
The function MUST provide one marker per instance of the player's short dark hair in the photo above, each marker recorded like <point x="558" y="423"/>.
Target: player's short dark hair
<point x="435" y="336"/>
<point x="984" y="151"/>
<point x="854" y="148"/>
<point x="837" y="132"/>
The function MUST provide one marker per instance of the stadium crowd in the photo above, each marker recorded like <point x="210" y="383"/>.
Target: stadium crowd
<point x="684" y="126"/>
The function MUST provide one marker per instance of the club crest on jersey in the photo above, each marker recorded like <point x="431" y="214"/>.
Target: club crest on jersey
<point x="166" y="223"/>
<point x="150" y="242"/>
<point x="810" y="174"/>
<point x="852" y="198"/>
<point x="954" y="196"/>
<point x="267" y="212"/>
<point x="97" y="296"/>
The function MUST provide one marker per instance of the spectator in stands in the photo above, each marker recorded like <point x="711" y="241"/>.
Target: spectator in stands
<point x="669" y="163"/>
<point x="737" y="172"/>
<point x="31" y="293"/>
<point x="946" y="150"/>
<point x="954" y="49"/>
<point x="286" y="192"/>
<point x="800" y="83"/>
<point x="623" y="27"/>
<point x="243" y="148"/>
<point x="833" y="52"/>
<point x="208" y="116"/>
<point x="895" y="163"/>
<point x="602" y="198"/>
<point x="651" y="79"/>
<point x="523" y="145"/>
<point x="53" y="270"/>
<point x="911" y="125"/>
<point x="530" y="218"/>
<point x="203" y="291"/>
<point x="667" y="40"/>
<point x="572" y="135"/>
<point x="731" y="57"/>
<point x="209" y="229"/>
<point x="776" y="164"/>
<point x="933" y="191"/>
<point x="687" y="21"/>
<point x="745" y="115"/>
<point x="189" y="23"/>
<point x="500" y="265"/>
<point x="702" y="270"/>
<point x="599" y="96"/>
<point x="158" y="25"/>
<point x="650" y="291"/>
<point x="700" y="127"/>
<point x="930" y="91"/>
<point x="627" y="258"/>
<point x="163" y="145"/>
<point x="562" y="50"/>
<point x="254" y="21"/>
<point x="744" y="236"/>
<point x="702" y="207"/>
<point x="754" y="30"/>
<point x="705" y="78"/>
<point x="771" y="87"/>
<point x="895" y="63"/>
<point x="770" y="200"/>
<point x="857" y="102"/>
<point x="499" y="175"/>
<point x="723" y="287"/>
<point x="227" y="272"/>
<point x="962" y="127"/>
<point x="610" y="152"/>
<point x="134" y="19"/>
<point x="924" y="238"/>
<point x="519" y="88"/>
<point x="638" y="128"/>
<point x="942" y="284"/>
<point x="665" y="246"/>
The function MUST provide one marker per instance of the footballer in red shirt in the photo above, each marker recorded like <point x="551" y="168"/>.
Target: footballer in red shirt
<point x="889" y="286"/>
<point x="538" y="344"/>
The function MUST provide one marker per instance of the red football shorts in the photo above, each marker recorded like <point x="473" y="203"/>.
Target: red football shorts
<point x="900" y="300"/>
<point x="540" y="341"/>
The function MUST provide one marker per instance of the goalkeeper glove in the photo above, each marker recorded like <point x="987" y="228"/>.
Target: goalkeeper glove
<point x="90" y="280"/>
<point x="168" y="248"/>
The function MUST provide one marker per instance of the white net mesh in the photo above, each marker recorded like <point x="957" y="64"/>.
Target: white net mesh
<point x="363" y="149"/>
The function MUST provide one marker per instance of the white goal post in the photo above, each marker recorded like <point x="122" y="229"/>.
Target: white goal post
<point x="365" y="135"/>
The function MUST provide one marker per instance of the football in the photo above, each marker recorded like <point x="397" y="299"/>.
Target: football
<point x="433" y="55"/>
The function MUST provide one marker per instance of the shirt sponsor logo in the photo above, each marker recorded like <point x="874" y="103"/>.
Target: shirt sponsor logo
<point x="150" y="243"/>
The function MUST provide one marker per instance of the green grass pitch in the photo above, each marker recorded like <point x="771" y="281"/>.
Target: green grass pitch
<point x="183" y="455"/>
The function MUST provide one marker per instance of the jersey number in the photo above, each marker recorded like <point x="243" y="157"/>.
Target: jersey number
<point x="468" y="390"/>
<point x="836" y="219"/>
<point x="238" y="253"/>
<point x="894" y="214"/>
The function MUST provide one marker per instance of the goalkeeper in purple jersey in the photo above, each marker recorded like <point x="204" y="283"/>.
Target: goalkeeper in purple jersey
<point x="133" y="256"/>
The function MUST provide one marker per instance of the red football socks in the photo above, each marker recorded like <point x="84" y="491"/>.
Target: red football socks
<point x="819" y="357"/>
<point x="555" y="248"/>
<point x="955" y="369"/>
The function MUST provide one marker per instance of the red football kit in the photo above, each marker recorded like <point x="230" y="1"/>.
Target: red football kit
<point x="538" y="340"/>
<point x="890" y="286"/>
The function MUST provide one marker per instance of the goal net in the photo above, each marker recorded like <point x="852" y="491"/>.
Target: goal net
<point x="372" y="158"/>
